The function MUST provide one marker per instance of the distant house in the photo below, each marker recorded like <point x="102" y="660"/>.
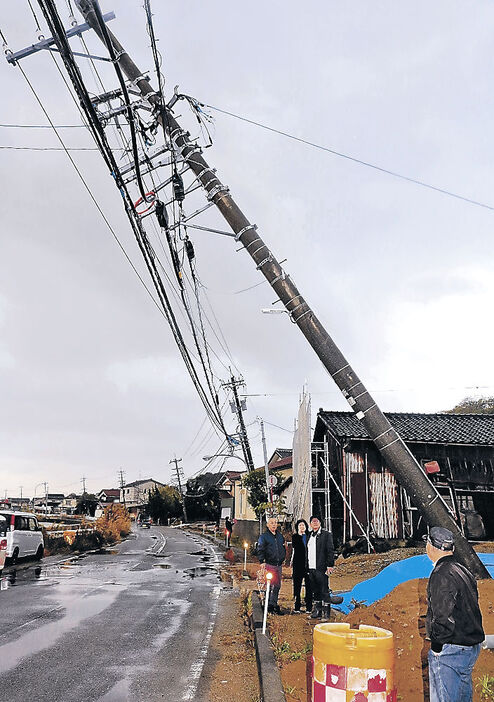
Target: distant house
<point x="136" y="494"/>
<point x="49" y="504"/>
<point x="455" y="451"/>
<point x="69" y="504"/>
<point x="107" y="496"/>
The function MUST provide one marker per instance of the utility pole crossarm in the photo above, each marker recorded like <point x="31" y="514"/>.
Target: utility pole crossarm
<point x="395" y="453"/>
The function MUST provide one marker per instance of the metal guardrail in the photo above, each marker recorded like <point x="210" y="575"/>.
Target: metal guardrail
<point x="65" y="531"/>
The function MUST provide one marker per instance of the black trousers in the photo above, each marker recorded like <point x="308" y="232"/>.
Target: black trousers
<point x="298" y="577"/>
<point x="320" y="585"/>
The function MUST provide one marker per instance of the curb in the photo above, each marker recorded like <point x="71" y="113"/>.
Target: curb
<point x="269" y="675"/>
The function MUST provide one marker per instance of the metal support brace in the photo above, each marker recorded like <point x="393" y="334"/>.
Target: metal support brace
<point x="245" y="229"/>
<point x="297" y="319"/>
<point x="47" y="43"/>
<point x="268" y="259"/>
<point x="220" y="188"/>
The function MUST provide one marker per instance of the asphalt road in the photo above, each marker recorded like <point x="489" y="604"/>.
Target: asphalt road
<point x="130" y="623"/>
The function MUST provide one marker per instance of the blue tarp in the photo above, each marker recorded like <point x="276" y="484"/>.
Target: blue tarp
<point x="376" y="588"/>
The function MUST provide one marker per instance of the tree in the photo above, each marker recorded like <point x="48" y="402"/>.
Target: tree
<point x="86" y="504"/>
<point x="257" y="496"/>
<point x="163" y="504"/>
<point x="474" y="405"/>
<point x="202" y="501"/>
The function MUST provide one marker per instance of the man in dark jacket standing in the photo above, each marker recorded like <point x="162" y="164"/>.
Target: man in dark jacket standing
<point x="320" y="562"/>
<point x="271" y="553"/>
<point x="453" y="621"/>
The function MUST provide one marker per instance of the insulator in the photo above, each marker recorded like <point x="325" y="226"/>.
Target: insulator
<point x="178" y="187"/>
<point x="161" y="214"/>
<point x="189" y="249"/>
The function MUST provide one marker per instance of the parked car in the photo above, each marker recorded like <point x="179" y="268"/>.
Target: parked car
<point x="3" y="541"/>
<point x="24" y="535"/>
<point x="145" y="523"/>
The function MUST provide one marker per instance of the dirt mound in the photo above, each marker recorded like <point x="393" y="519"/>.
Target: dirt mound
<point x="403" y="613"/>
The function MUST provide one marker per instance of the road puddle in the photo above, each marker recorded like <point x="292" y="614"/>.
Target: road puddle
<point x="199" y="572"/>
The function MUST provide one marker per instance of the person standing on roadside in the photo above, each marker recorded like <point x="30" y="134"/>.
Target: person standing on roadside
<point x="298" y="563"/>
<point x="271" y="553"/>
<point x="320" y="562"/>
<point x="228" y="531"/>
<point x="453" y="621"/>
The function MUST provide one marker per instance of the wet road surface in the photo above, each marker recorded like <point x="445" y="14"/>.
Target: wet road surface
<point x="129" y="623"/>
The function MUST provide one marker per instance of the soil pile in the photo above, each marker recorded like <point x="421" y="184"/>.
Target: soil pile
<point x="403" y="613"/>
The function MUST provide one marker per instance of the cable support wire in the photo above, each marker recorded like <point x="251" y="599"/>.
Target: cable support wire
<point x="57" y="30"/>
<point x="354" y="159"/>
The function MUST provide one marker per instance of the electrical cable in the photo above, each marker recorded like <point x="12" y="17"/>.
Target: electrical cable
<point x="86" y="186"/>
<point x="130" y="114"/>
<point x="51" y="15"/>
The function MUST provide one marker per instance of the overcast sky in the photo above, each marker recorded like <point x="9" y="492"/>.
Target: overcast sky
<point x="91" y="381"/>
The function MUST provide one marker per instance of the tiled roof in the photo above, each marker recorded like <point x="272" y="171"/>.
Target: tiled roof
<point x="283" y="453"/>
<point x="136" y="483"/>
<point x="281" y="463"/>
<point x="422" y="428"/>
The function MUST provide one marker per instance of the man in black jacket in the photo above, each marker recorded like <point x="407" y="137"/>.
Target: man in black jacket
<point x="271" y="553"/>
<point x="320" y="562"/>
<point x="453" y="621"/>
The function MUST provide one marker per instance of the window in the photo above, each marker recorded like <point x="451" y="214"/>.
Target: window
<point x="32" y="524"/>
<point x="21" y="524"/>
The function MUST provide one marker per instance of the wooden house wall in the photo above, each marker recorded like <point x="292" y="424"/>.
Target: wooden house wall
<point x="378" y="499"/>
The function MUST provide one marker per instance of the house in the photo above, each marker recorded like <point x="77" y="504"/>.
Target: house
<point x="247" y="524"/>
<point x="356" y="493"/>
<point x="108" y="496"/>
<point x="69" y="504"/>
<point x="136" y="494"/>
<point x="49" y="504"/>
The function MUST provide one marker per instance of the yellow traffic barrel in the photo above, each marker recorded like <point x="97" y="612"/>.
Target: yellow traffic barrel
<point x="352" y="665"/>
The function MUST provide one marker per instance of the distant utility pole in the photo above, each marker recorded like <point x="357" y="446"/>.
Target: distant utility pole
<point x="20" y="487"/>
<point x="269" y="489"/>
<point x="46" y="497"/>
<point x="83" y="481"/>
<point x="238" y="408"/>
<point x="395" y="452"/>
<point x="121" y="482"/>
<point x="179" y="474"/>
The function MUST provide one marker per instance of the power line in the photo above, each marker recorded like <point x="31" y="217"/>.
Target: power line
<point x="42" y="126"/>
<point x="52" y="148"/>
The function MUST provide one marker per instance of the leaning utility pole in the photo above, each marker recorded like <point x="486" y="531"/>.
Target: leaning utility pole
<point x="238" y="410"/>
<point x="396" y="454"/>
<point x="178" y="473"/>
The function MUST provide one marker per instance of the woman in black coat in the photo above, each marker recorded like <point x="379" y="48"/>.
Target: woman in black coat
<point x="299" y="564"/>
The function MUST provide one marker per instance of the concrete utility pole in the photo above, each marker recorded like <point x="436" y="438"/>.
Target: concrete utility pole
<point x="244" y="439"/>
<point x="393" y="449"/>
<point x="178" y="473"/>
<point x="269" y="490"/>
<point x="121" y="479"/>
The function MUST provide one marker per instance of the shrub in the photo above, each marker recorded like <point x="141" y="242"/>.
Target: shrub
<point x="113" y="523"/>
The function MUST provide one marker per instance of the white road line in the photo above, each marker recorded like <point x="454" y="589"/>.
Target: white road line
<point x="196" y="668"/>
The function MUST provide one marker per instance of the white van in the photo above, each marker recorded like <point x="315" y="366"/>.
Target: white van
<point x="3" y="541"/>
<point x="24" y="535"/>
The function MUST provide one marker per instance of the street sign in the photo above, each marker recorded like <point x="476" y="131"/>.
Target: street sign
<point x="273" y="481"/>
